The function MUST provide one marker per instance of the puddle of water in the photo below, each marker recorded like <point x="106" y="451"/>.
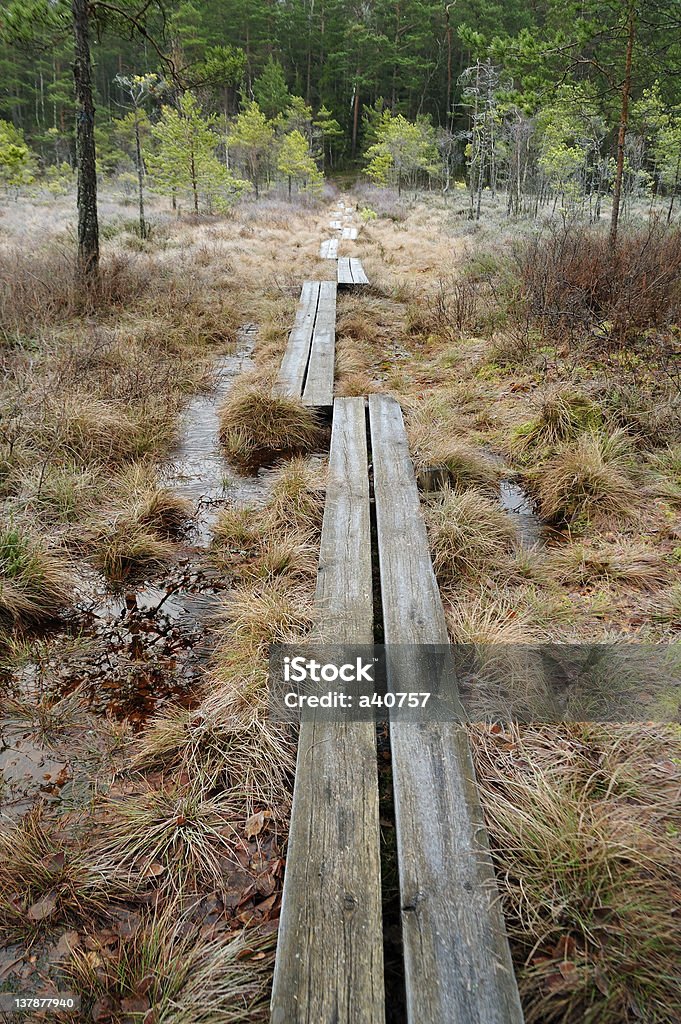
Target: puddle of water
<point x="199" y="470"/>
<point x="127" y="653"/>
<point x="515" y="501"/>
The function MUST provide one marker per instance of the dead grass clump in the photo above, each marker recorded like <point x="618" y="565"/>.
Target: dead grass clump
<point x="35" y="582"/>
<point x="239" y="529"/>
<point x="141" y="521"/>
<point x="290" y="555"/>
<point x="297" y="496"/>
<point x="256" y="426"/>
<point x="44" y="879"/>
<point x="584" y="824"/>
<point x="624" y="563"/>
<point x="563" y="414"/>
<point x="470" y="536"/>
<point x="140" y="496"/>
<point x="262" y="613"/>
<point x="466" y="465"/>
<point x="177" y="835"/>
<point x="594" y="477"/>
<point x="496" y="618"/>
<point x="171" y="969"/>
<point x="125" y="548"/>
<point x="225" y="742"/>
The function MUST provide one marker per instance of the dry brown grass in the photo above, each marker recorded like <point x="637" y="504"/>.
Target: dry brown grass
<point x="584" y="826"/>
<point x="592" y="478"/>
<point x="471" y="537"/>
<point x="626" y="563"/>
<point x="257" y="426"/>
<point x="35" y="581"/>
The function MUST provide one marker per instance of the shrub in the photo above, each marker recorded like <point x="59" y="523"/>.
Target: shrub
<point x="572" y="281"/>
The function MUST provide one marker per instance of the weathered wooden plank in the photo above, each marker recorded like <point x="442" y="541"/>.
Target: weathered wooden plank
<point x="343" y="273"/>
<point x="458" y="967"/>
<point x="318" y="390"/>
<point x="350" y="272"/>
<point x="335" y="224"/>
<point x="329" y="963"/>
<point x="349" y="232"/>
<point x="357" y="270"/>
<point x="328" y="250"/>
<point x="292" y="371"/>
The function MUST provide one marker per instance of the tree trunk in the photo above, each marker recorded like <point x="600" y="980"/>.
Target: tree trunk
<point x="674" y="188"/>
<point x="140" y="175"/>
<point x="355" y="119"/>
<point x="88" y="225"/>
<point x="449" y="112"/>
<point x="624" y="121"/>
<point x="195" y="189"/>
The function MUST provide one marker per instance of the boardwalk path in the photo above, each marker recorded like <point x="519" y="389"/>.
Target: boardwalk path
<point x="376" y="579"/>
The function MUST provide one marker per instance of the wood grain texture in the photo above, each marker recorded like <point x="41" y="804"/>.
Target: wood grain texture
<point x="350" y="272"/>
<point x="291" y="377"/>
<point x="357" y="270"/>
<point x="318" y="390"/>
<point x="343" y="273"/>
<point x="329" y="964"/>
<point x="458" y="965"/>
<point x="328" y="250"/>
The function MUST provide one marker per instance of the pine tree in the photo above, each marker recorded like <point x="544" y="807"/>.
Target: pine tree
<point x="17" y="162"/>
<point x="296" y="163"/>
<point x="185" y="161"/>
<point x="403" y="149"/>
<point x="271" y="91"/>
<point x="252" y="136"/>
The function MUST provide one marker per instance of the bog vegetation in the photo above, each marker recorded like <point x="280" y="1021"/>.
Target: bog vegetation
<point x="514" y="174"/>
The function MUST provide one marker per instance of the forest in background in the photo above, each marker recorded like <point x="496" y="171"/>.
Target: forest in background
<point x="541" y="99"/>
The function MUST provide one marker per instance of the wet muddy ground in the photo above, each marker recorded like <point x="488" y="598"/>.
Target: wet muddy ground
<point x="119" y="655"/>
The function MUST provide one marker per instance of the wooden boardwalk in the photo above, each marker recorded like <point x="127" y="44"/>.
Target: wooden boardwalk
<point x="457" y="963"/>
<point x="308" y="365"/>
<point x="329" y="965"/>
<point x="351" y="272"/>
<point x="456" y="956"/>
<point x="349" y="232"/>
<point x="328" y="250"/>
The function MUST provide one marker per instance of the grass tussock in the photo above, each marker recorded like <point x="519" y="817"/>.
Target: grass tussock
<point x="35" y="582"/>
<point x="494" y="618"/>
<point x="584" y="828"/>
<point x="262" y="613"/>
<point x="142" y="520"/>
<point x="179" y="836"/>
<point x="172" y="970"/>
<point x="594" y="477"/>
<point x="465" y="464"/>
<point x="563" y="414"/>
<point x="297" y="496"/>
<point x="470" y="537"/>
<point x="257" y="426"/>
<point x="45" y="879"/>
<point x="623" y="563"/>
